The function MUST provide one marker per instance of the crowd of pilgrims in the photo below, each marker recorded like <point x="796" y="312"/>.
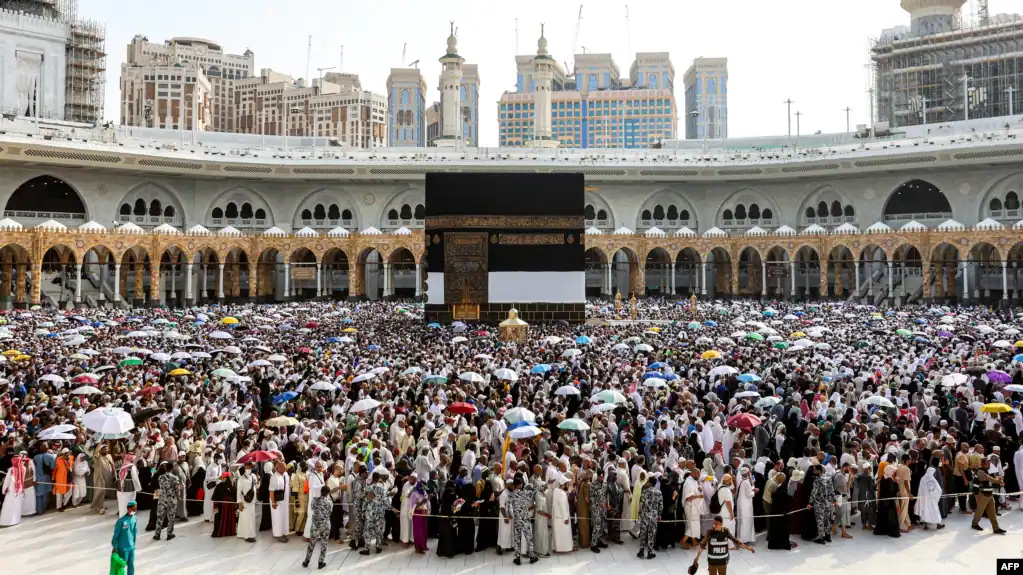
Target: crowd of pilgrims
<point x="358" y="423"/>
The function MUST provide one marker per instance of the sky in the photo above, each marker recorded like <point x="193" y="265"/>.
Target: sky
<point x="812" y="51"/>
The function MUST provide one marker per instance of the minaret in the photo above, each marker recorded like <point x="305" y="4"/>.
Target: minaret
<point x="543" y="76"/>
<point x="932" y="16"/>
<point x="450" y="94"/>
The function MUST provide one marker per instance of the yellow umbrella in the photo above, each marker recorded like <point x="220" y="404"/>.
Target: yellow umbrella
<point x="711" y="354"/>
<point x="11" y="352"/>
<point x="655" y="329"/>
<point x="21" y="357"/>
<point x="797" y="334"/>
<point x="350" y="330"/>
<point x="179" y="371"/>
<point x="229" y="321"/>
<point x="996" y="408"/>
<point x="1018" y="343"/>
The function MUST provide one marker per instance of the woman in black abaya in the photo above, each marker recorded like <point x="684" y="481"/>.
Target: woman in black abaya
<point x="778" y="527"/>
<point x="224" y="504"/>
<point x="447" y="530"/>
<point x="667" y="529"/>
<point x="466" y="491"/>
<point x="887" y="512"/>
<point x="486" y="536"/>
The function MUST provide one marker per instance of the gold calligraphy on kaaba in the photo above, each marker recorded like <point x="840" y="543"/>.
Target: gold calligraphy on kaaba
<point x="531" y="239"/>
<point x="499" y="222"/>
<point x="465" y="267"/>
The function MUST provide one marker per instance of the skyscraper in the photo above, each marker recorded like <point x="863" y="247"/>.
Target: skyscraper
<point x="706" y="111"/>
<point x="406" y="108"/>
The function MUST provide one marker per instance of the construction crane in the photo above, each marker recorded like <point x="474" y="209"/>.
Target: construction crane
<point x="575" y="38"/>
<point x="414" y="64"/>
<point x="628" y="29"/>
<point x="403" y="48"/>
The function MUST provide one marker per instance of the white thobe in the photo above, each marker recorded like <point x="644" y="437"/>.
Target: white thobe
<point x="315" y="484"/>
<point x="124" y="497"/>
<point x="694" y="509"/>
<point x="247" y="516"/>
<point x="80" y="486"/>
<point x="626" y="523"/>
<point x="744" y="513"/>
<point x="504" y="528"/>
<point x="725" y="496"/>
<point x="405" y="521"/>
<point x="279" y="516"/>
<point x="10" y="514"/>
<point x="541" y="524"/>
<point x="560" y="522"/>
<point x="213" y="472"/>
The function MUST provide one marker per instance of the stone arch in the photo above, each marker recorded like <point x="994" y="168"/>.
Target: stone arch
<point x="810" y="208"/>
<point x="940" y="279"/>
<point x="226" y="209"/>
<point x="599" y="206"/>
<point x="136" y="274"/>
<point x="750" y="273"/>
<point x="366" y="279"/>
<point x="1001" y="199"/>
<point x="270" y="275"/>
<point x="720" y="273"/>
<point x="337" y="267"/>
<point x="594" y="260"/>
<point x="411" y="197"/>
<point x="402" y="265"/>
<point x="627" y="273"/>
<point x="14" y="263"/>
<point x="664" y="203"/>
<point x="657" y="267"/>
<point x="171" y="211"/>
<point x="339" y="200"/>
<point x="917" y="199"/>
<point x="688" y="270"/>
<point x="741" y="204"/>
<point x="47" y="197"/>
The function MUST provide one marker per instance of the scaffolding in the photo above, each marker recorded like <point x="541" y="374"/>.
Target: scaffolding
<point x="85" y="79"/>
<point x="974" y="71"/>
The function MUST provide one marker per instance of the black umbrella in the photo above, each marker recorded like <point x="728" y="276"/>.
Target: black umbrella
<point x="144" y="414"/>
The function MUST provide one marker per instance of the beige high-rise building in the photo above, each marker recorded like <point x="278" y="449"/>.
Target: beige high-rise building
<point x="188" y="82"/>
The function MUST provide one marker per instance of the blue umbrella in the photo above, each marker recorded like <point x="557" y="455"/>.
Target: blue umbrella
<point x="333" y="339"/>
<point x="657" y="365"/>
<point x="348" y="320"/>
<point x="373" y="347"/>
<point x="921" y="339"/>
<point x="921" y="321"/>
<point x="540" y="368"/>
<point x="433" y="325"/>
<point x="97" y="324"/>
<point x="749" y="377"/>
<point x="800" y="313"/>
<point x="693" y="325"/>
<point x="519" y="424"/>
<point x="710" y="323"/>
<point x="650" y="374"/>
<point x="582" y="340"/>
<point x="286" y="396"/>
<point x="670" y="376"/>
<point x="768" y="313"/>
<point x="1018" y="358"/>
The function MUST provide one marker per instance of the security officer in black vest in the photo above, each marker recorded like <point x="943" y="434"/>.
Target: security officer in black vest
<point x="716" y="544"/>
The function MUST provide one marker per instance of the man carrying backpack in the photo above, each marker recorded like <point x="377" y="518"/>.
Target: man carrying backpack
<point x="716" y="544"/>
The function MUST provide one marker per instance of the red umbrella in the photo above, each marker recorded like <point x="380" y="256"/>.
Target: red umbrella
<point x="85" y="379"/>
<point x="462" y="408"/>
<point x="304" y="350"/>
<point x="745" y="421"/>
<point x="257" y="457"/>
<point x="150" y="389"/>
<point x="312" y="325"/>
<point x="482" y="333"/>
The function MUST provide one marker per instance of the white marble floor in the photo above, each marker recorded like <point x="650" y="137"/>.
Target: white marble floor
<point x="77" y="543"/>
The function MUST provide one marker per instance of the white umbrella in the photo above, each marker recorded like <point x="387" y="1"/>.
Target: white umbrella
<point x="609" y="396"/>
<point x="232" y="349"/>
<point x="59" y="436"/>
<point x="380" y="370"/>
<point x="277" y="357"/>
<point x="769" y="401"/>
<point x="524" y="432"/>
<point x="1001" y="343"/>
<point x="471" y="377"/>
<point x="879" y="401"/>
<point x="86" y="390"/>
<point x="506" y="374"/>
<point x="552" y="339"/>
<point x="74" y="341"/>
<point x="322" y="386"/>
<point x="723" y="370"/>
<point x="601" y="407"/>
<point x="654" y="382"/>
<point x="108" y="421"/>
<point x="954" y="379"/>
<point x="200" y="355"/>
<point x="743" y="394"/>
<point x="52" y="377"/>
<point x="567" y="390"/>
<point x="220" y="335"/>
<point x="226" y="425"/>
<point x="179" y="355"/>
<point x="160" y="356"/>
<point x="260" y="363"/>
<point x="459" y="339"/>
<point x="363" y="377"/>
<point x="572" y="352"/>
<point x="364" y="405"/>
<point x="643" y="348"/>
<point x="517" y="414"/>
<point x="122" y="350"/>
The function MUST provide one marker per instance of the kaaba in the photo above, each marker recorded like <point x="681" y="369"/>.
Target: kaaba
<point x="502" y="241"/>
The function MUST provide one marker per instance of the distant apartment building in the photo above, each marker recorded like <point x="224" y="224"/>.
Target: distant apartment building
<point x="706" y="111"/>
<point x="189" y="83"/>
<point x="593" y="106"/>
<point x="433" y="123"/>
<point x="406" y="108"/>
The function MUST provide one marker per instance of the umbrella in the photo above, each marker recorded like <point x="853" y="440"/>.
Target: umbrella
<point x="150" y="389"/>
<point x="260" y="363"/>
<point x="462" y="408"/>
<point x="642" y="347"/>
<point x="282" y="421"/>
<point x="999" y="376"/>
<point x="723" y="370"/>
<point x="129" y="361"/>
<point x="711" y="354"/>
<point x="524" y="432"/>
<point x="261" y="456"/>
<point x="574" y="424"/>
<point x="654" y="382"/>
<point x="954" y="379"/>
<point x="160" y="357"/>
<point x="220" y="335"/>
<point x="583" y="340"/>
<point x="86" y="378"/>
<point x="277" y="358"/>
<point x="144" y="414"/>
<point x="364" y="405"/>
<point x="506" y="374"/>
<point x="435" y="380"/>
<point x="996" y="408"/>
<point x="1013" y="388"/>
<point x="52" y="377"/>
<point x="517" y="414"/>
<point x="108" y="421"/>
<point x="567" y="390"/>
<point x="179" y="371"/>
<point x="609" y="396"/>
<point x="745" y="421"/>
<point x="322" y="386"/>
<point x="86" y="390"/>
<point x="226" y="425"/>
<point x="769" y="401"/>
<point x="749" y="378"/>
<point x="541" y="368"/>
<point x="364" y="377"/>
<point x="471" y="377"/>
<point x="780" y="345"/>
<point x="412" y="370"/>
<point x="750" y="393"/>
<point x="879" y="401"/>
<point x="286" y="396"/>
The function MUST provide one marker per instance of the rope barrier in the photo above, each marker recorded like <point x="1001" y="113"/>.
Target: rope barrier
<point x="852" y="505"/>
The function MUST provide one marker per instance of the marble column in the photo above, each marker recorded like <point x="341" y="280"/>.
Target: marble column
<point x="188" y="284"/>
<point x="117" y="283"/>
<point x="287" y="280"/>
<point x="419" y="280"/>
<point x="792" y="279"/>
<point x="763" y="279"/>
<point x="1005" y="280"/>
<point x="220" y="282"/>
<point x="78" y="282"/>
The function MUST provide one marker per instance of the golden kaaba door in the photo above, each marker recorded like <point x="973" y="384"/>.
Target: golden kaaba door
<point x="465" y="267"/>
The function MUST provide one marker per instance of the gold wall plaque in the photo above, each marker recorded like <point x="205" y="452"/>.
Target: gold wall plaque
<point x="531" y="239"/>
<point x="498" y="222"/>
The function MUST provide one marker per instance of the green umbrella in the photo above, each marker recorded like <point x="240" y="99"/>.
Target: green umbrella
<point x="170" y="365"/>
<point x="574" y="424"/>
<point x="781" y="345"/>
<point x="861" y="344"/>
<point x="129" y="361"/>
<point x="755" y="336"/>
<point x="224" y="372"/>
<point x="904" y="332"/>
<point x="435" y="380"/>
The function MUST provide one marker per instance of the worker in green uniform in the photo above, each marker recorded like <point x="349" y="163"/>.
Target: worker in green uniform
<point x="125" y="533"/>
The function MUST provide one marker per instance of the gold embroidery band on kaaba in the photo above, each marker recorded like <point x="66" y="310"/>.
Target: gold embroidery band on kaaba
<point x="506" y="222"/>
<point x="528" y="239"/>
